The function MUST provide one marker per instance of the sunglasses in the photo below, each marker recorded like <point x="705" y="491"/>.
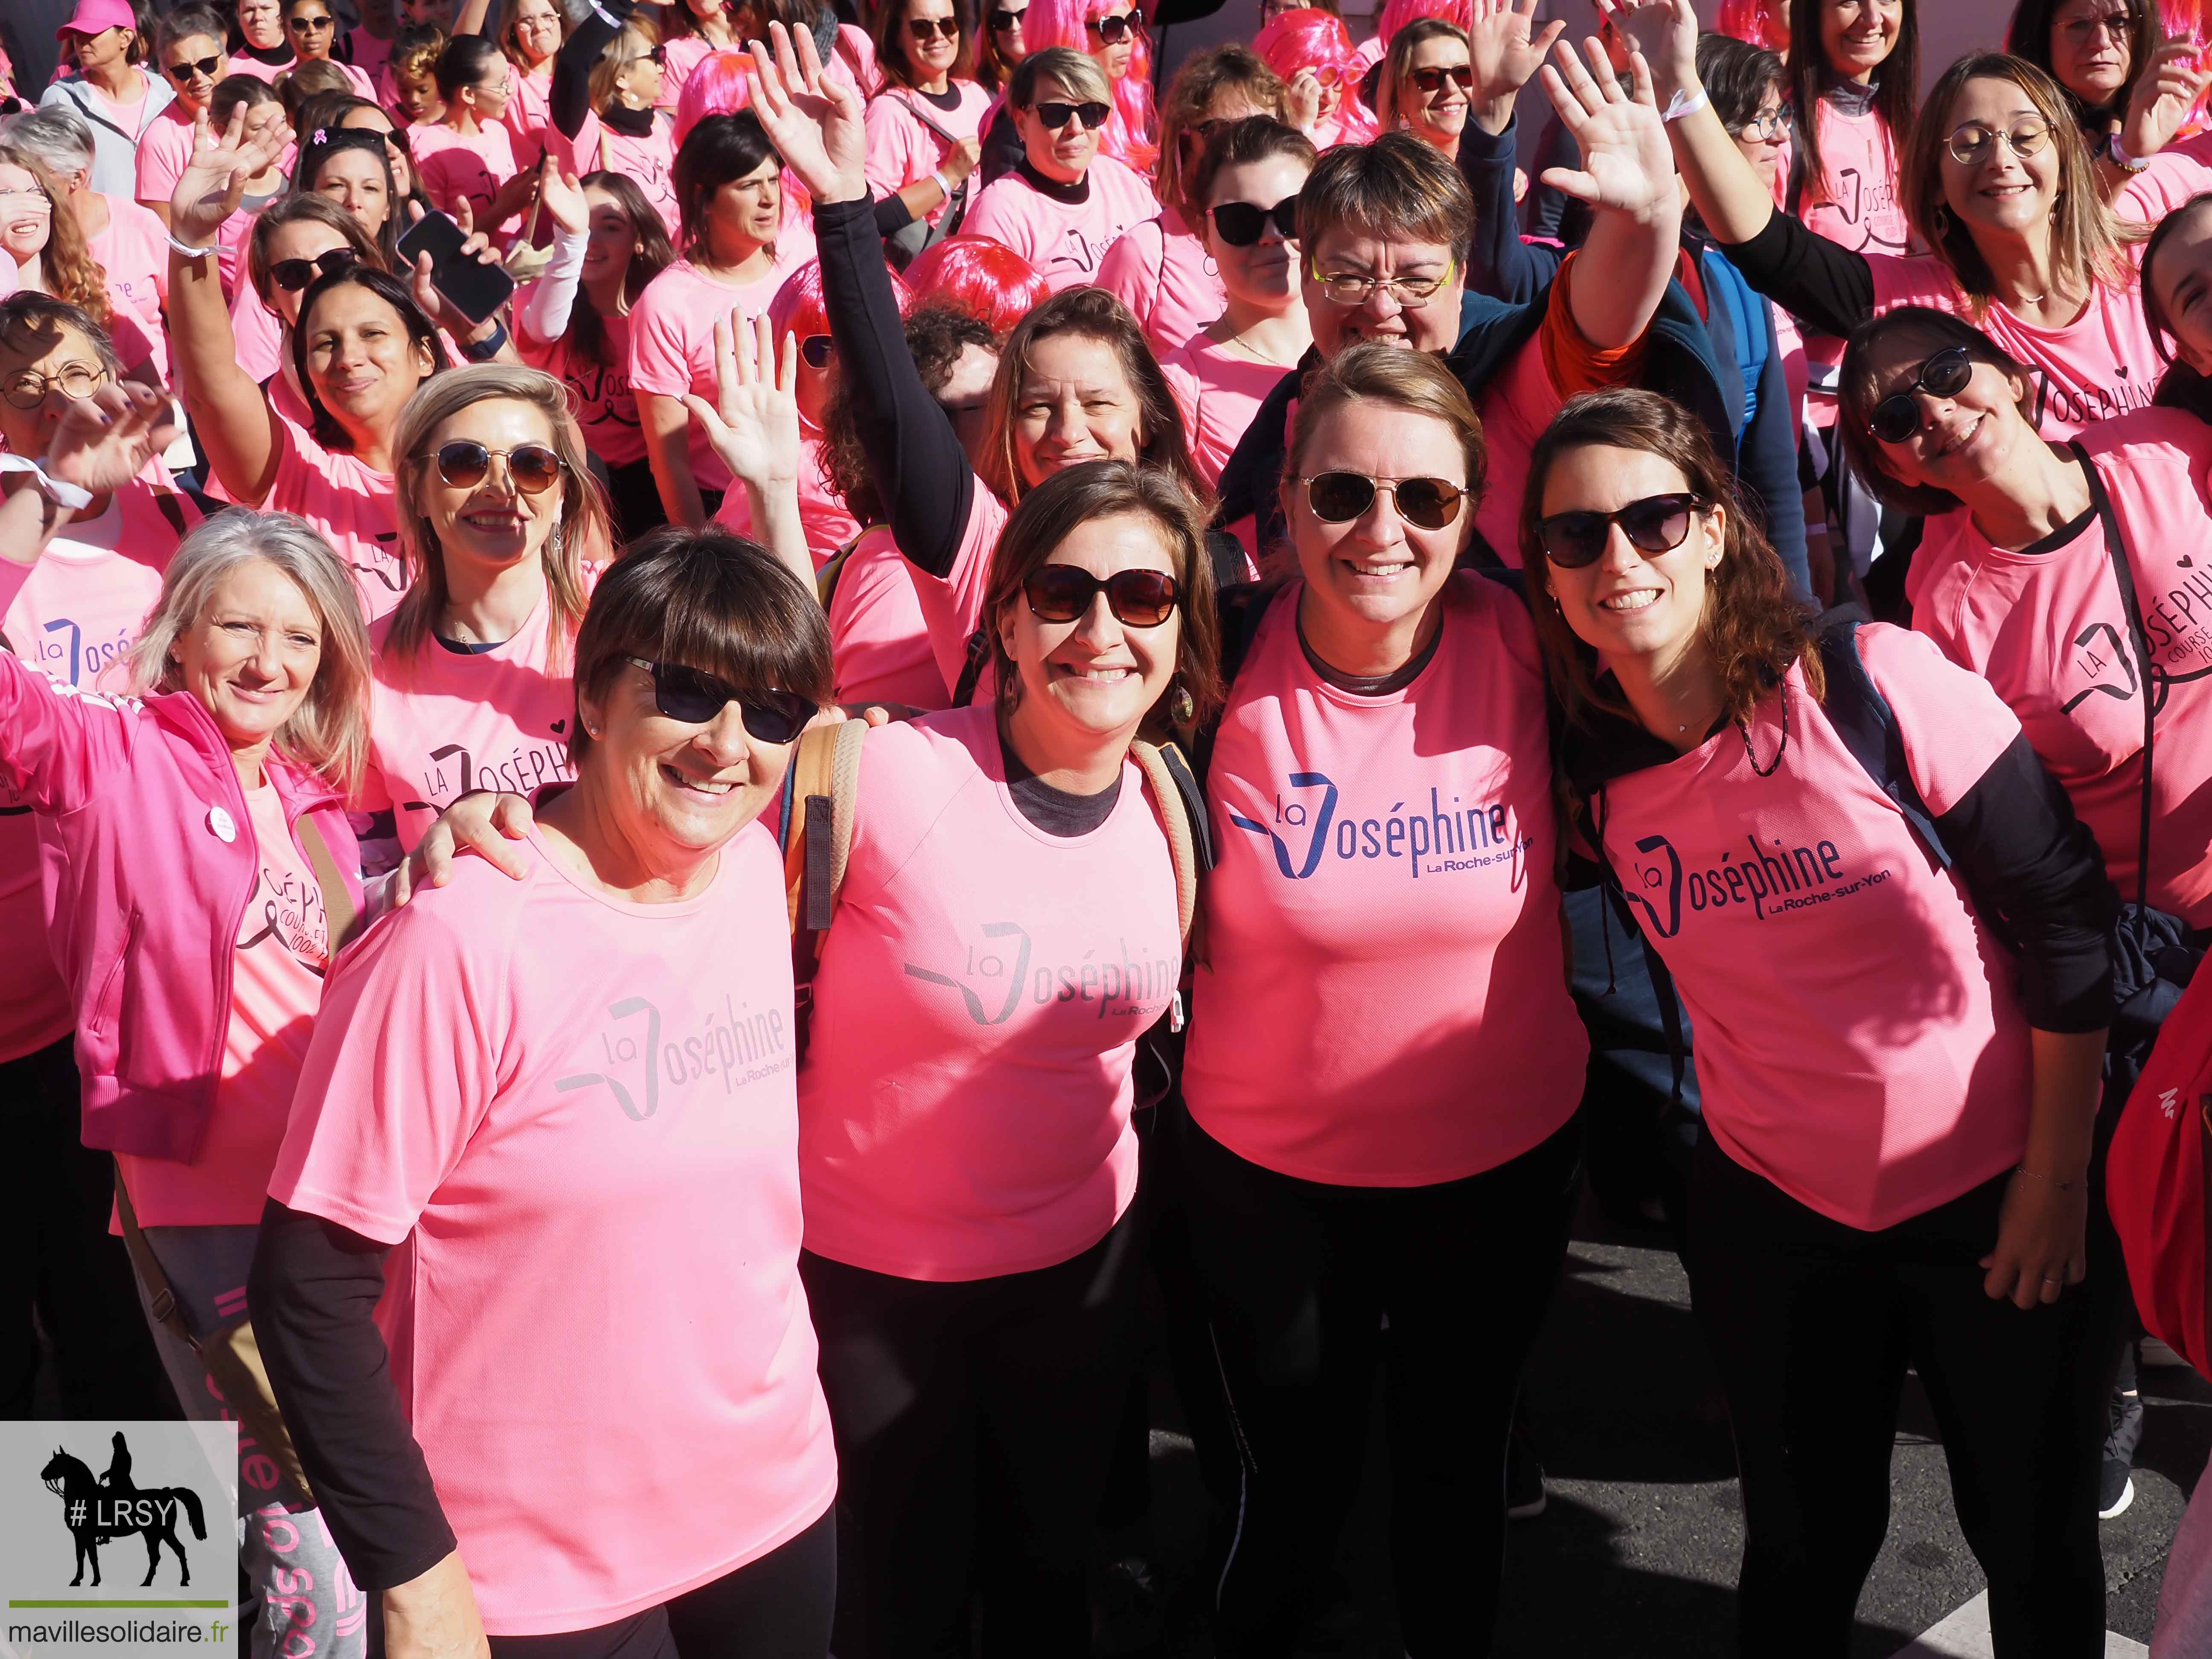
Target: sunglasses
<point x="180" y="73"/>
<point x="465" y="464"/>
<point x="1897" y="416"/>
<point x="310" y="25"/>
<point x="1241" y="224"/>
<point x="694" y="697"/>
<point x="658" y="55"/>
<point x="1432" y="81"/>
<point x="1656" y="524"/>
<point x="817" y="350"/>
<point x="934" y="28"/>
<point x="1057" y="115"/>
<point x="1063" y="594"/>
<point x="293" y="275"/>
<point x="1118" y="28"/>
<point x="1340" y="497"/>
<point x="1007" y="20"/>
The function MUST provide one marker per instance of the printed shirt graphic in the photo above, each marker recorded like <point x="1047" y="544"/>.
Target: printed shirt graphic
<point x="1062" y="241"/>
<point x="1386" y="999"/>
<point x="638" y="1412"/>
<point x="2047" y="630"/>
<point x="443" y="722"/>
<point x="605" y="407"/>
<point x="1856" y="205"/>
<point x="276" y="983"/>
<point x="648" y="162"/>
<point x="1858" y="1039"/>
<point x="965" y="1107"/>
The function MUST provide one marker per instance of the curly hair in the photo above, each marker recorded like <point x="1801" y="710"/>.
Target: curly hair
<point x="936" y="336"/>
<point x="65" y="263"/>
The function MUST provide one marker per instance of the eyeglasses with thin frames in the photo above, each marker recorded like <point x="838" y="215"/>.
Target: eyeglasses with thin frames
<point x="1351" y="288"/>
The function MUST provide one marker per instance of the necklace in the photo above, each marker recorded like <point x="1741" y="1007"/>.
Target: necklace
<point x="1780" y="749"/>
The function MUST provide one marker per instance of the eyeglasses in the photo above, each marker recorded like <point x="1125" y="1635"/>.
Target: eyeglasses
<point x="1241" y="224"/>
<point x="1340" y="497"/>
<point x="1063" y="594"/>
<point x="1897" y="416"/>
<point x="465" y="464"/>
<point x="1771" y="128"/>
<point x="75" y="381"/>
<point x="1003" y="19"/>
<point x="1969" y="143"/>
<point x="181" y="73"/>
<point x="1431" y="80"/>
<point x="310" y="25"/>
<point x="1656" y="524"/>
<point x="694" y="697"/>
<point x="1056" y="115"/>
<point x="293" y="275"/>
<point x="1117" y="27"/>
<point x="1353" y="288"/>
<point x="817" y="350"/>
<point x="2080" y="31"/>
<point x="933" y="28"/>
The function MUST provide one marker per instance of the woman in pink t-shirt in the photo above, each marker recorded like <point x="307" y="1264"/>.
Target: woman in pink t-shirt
<point x="1311" y="51"/>
<point x="128" y="244"/>
<point x="632" y="135"/>
<point x="1111" y="33"/>
<point x="1247" y="183"/>
<point x="1853" y="90"/>
<point x="1066" y="204"/>
<point x="188" y="44"/>
<point x="1898" y="1107"/>
<point x="925" y="126"/>
<point x="197" y="874"/>
<point x="469" y="155"/>
<point x="310" y="28"/>
<point x="258" y="44"/>
<point x="1160" y="267"/>
<point x="529" y="36"/>
<point x="591" y="1070"/>
<point x="695" y="28"/>
<point x="351" y="166"/>
<point x="290" y="243"/>
<point x="44" y="245"/>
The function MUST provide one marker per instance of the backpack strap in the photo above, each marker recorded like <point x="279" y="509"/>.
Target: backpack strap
<point x="833" y="568"/>
<point x="171" y="509"/>
<point x="971" y="670"/>
<point x="1240" y="610"/>
<point x="340" y="914"/>
<point x="1174" y="812"/>
<point x="820" y="788"/>
<point x="2152" y="677"/>
<point x="1864" y="720"/>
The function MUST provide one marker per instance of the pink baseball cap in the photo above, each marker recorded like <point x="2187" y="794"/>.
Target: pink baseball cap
<point x="96" y="16"/>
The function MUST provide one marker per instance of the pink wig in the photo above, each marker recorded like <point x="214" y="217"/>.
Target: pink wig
<point x="1396" y="13"/>
<point x="1132" y="135"/>
<point x="798" y="308"/>
<point x="721" y="85"/>
<point x="976" y="275"/>
<point x="1311" y="39"/>
<point x="1761" y="22"/>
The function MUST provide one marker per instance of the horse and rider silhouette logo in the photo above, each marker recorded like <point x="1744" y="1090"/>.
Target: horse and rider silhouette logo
<point x="99" y="1509"/>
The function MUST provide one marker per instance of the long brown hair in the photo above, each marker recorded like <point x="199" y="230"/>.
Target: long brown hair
<point x="1810" y="76"/>
<point x="1755" y="627"/>
<point x="70" y="271"/>
<point x="588" y="330"/>
<point x="892" y="37"/>
<point x="1203" y="76"/>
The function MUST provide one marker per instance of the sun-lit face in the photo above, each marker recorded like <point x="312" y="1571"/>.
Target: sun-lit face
<point x="364" y="365"/>
<point x="251" y="654"/>
<point x="1858" y="35"/>
<point x="26" y="214"/>
<point x="638" y="82"/>
<point x="2180" y="279"/>
<point x="610" y="241"/>
<point x="2092" y="49"/>
<point x="743" y="215"/>
<point x="487" y="97"/>
<point x="1094" y="679"/>
<point x="1113" y="56"/>
<point x="1264" y="273"/>
<point x="1961" y="439"/>
<point x="358" y="182"/>
<point x="49" y="366"/>
<point x="1351" y="255"/>
<point x="262" y="23"/>
<point x="492" y="524"/>
<point x="2001" y="191"/>
<point x="929" y="50"/>
<point x="297" y="238"/>
<point x="965" y="397"/>
<point x="1628" y="604"/>
<point x="107" y="51"/>
<point x="1436" y="114"/>
<point x="1765" y="138"/>
<point x="538" y="29"/>
<point x="418" y="98"/>
<point x="1375" y="573"/>
<point x="201" y="61"/>
<point x="1074" y="405"/>
<point x="1063" y="153"/>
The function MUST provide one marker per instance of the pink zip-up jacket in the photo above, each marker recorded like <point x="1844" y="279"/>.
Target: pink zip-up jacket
<point x="145" y="889"/>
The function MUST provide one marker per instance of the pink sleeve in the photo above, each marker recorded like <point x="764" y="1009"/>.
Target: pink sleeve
<point x="160" y="167"/>
<point x="402" y="1066"/>
<point x="59" y="740"/>
<point x="132" y="348"/>
<point x="1131" y="271"/>
<point x="659" y="360"/>
<point x="1953" y="724"/>
<point x="1183" y="383"/>
<point x="2175" y="174"/>
<point x="953" y="604"/>
<point x="1911" y="279"/>
<point x="892" y="164"/>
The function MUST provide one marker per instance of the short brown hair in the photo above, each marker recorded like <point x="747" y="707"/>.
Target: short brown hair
<point x="1398" y="63"/>
<point x="1857" y="394"/>
<point x="1396" y="186"/>
<point x="1203" y="76"/>
<point x="710" y="600"/>
<point x="1755" y="626"/>
<point x="1254" y="138"/>
<point x="1051" y="513"/>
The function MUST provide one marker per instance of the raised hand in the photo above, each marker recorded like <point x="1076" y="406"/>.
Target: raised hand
<point x="814" y="120"/>
<point x="1665" y="32"/>
<point x="213" y="182"/>
<point x="2165" y="90"/>
<point x="1506" y="45"/>
<point x="1628" y="167"/>
<point x="1303" y="102"/>
<point x="435" y="305"/>
<point x="753" y="422"/>
<point x="103" y="441"/>
<point x="562" y="195"/>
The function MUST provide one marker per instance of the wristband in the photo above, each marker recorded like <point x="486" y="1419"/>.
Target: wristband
<point x="484" y="351"/>
<point x="1684" y="103"/>
<point x="2063" y="1186"/>
<point x="74" y="497"/>
<point x="938" y="177"/>
<point x="188" y="250"/>
<point x="2119" y="157"/>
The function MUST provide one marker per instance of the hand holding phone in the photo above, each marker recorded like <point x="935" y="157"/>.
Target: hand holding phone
<point x="471" y="287"/>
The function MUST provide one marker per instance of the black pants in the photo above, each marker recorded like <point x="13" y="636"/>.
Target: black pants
<point x="62" y="1270"/>
<point x="1300" y="1276"/>
<point x="776" y="1608"/>
<point x="1812" y="1324"/>
<point x="974" y="1422"/>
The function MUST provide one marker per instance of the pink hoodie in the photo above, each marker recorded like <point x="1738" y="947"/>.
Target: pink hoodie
<point x="145" y="889"/>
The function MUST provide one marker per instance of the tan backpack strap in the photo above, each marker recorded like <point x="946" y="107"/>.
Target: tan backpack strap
<point x="339" y="911"/>
<point x="825" y="784"/>
<point x="1177" y="820"/>
<point x="159" y="1297"/>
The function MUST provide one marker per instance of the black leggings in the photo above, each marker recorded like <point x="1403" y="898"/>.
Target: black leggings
<point x="974" y="1422"/>
<point x="1812" y="1324"/>
<point x="1300" y="1276"/>
<point x="775" y="1607"/>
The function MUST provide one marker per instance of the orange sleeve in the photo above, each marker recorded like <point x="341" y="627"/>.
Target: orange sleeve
<point x="1574" y="364"/>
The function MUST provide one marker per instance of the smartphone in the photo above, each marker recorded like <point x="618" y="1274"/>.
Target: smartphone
<point x="477" y="289"/>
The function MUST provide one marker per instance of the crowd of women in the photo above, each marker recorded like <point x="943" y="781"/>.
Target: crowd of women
<point x="997" y="725"/>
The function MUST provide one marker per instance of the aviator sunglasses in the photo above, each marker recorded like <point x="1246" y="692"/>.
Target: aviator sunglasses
<point x="1241" y="224"/>
<point x="1340" y="497"/>
<point x="1897" y="416"/>
<point x="695" y="697"/>
<point x="1063" y="594"/>
<point x="465" y="464"/>
<point x="1655" y="524"/>
<point x="293" y="275"/>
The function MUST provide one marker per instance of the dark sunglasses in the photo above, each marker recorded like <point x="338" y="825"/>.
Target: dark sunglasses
<point x="465" y="464"/>
<point x="1003" y="19"/>
<point x="694" y="697"/>
<point x="293" y="275"/>
<point x="658" y="54"/>
<point x="1118" y="28"/>
<point x="1057" y="115"/>
<point x="1241" y="224"/>
<point x="1063" y="594"/>
<point x="1432" y="80"/>
<point x="817" y="350"/>
<point x="309" y="25"/>
<point x="181" y="73"/>
<point x="1897" y="416"/>
<point x="1340" y="497"/>
<point x="1656" y="524"/>
<point x="934" y="28"/>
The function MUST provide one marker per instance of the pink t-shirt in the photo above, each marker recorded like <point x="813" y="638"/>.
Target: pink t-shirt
<point x="636" y="1413"/>
<point x="470" y="167"/>
<point x="258" y="334"/>
<point x="367" y="53"/>
<point x="1219" y="391"/>
<point x="1859" y="1040"/>
<point x="821" y="509"/>
<point x="2045" y="628"/>
<point x="1857" y="204"/>
<point x="350" y="503"/>
<point x="1063" y="241"/>
<point x="34" y="1001"/>
<point x="1164" y="274"/>
<point x="529" y="114"/>
<point x="648" y="162"/>
<point x="605" y="407"/>
<point x="165" y="149"/>
<point x="243" y="63"/>
<point x="964" y="1106"/>
<point x="1516" y="407"/>
<point x="1385" y="1002"/>
<point x="671" y="336"/>
<point x="878" y="638"/>
<point x="901" y="149"/>
<point x="276" y="985"/>
<point x="682" y="55"/>
<point x="134" y="251"/>
<point x="953" y="604"/>
<point x="443" y="722"/>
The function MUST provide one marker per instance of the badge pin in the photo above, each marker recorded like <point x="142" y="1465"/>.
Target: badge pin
<point x="220" y="821"/>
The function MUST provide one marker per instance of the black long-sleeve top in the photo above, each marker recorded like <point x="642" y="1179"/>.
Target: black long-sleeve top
<point x="1825" y="284"/>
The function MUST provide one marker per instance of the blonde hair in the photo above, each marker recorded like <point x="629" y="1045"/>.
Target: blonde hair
<point x="329" y="732"/>
<point x="1076" y="70"/>
<point x="636" y="40"/>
